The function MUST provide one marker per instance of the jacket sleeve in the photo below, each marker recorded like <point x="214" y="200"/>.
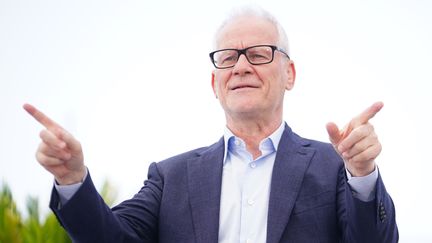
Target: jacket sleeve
<point x="87" y="218"/>
<point x="373" y="221"/>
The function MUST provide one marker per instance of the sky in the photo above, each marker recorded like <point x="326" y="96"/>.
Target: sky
<point x="131" y="80"/>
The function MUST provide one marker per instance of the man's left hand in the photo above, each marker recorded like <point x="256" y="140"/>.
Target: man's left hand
<point x="357" y="143"/>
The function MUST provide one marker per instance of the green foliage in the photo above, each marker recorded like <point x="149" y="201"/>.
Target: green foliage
<point x="10" y="219"/>
<point x="15" y="229"/>
<point x="108" y="193"/>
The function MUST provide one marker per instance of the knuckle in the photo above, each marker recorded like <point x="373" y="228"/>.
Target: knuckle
<point x="42" y="134"/>
<point x="59" y="132"/>
<point x="41" y="158"/>
<point x="44" y="148"/>
<point x="379" y="148"/>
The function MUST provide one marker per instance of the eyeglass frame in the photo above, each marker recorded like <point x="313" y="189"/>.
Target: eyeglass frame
<point x="243" y="51"/>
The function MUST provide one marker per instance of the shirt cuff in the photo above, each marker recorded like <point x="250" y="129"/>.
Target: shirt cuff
<point x="66" y="192"/>
<point x="363" y="187"/>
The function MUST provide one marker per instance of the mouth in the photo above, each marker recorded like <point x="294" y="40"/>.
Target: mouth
<point x="243" y="86"/>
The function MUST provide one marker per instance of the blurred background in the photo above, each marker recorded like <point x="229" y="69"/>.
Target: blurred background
<point x="131" y="80"/>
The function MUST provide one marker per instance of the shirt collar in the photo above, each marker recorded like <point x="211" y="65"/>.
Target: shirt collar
<point x="275" y="138"/>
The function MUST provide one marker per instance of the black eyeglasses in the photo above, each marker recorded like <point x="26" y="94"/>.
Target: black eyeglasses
<point x="256" y="55"/>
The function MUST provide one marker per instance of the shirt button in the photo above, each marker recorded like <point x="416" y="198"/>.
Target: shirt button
<point x="252" y="165"/>
<point x="250" y="202"/>
<point x="237" y="142"/>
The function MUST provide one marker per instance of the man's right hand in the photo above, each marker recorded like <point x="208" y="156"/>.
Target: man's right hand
<point x="59" y="152"/>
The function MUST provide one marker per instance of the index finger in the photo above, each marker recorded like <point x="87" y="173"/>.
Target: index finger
<point x="41" y="117"/>
<point x="367" y="114"/>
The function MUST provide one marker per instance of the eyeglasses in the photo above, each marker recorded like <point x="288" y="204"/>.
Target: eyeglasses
<point x="256" y="55"/>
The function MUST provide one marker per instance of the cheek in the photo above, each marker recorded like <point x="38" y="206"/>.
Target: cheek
<point x="272" y="80"/>
<point x="222" y="78"/>
<point x="279" y="78"/>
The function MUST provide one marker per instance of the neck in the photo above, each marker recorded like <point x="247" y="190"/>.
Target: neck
<point x="253" y="131"/>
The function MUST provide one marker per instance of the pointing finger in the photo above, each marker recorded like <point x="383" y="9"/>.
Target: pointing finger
<point x="362" y="118"/>
<point x="367" y="114"/>
<point x="41" y="117"/>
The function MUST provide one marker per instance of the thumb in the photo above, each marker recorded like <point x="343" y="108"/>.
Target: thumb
<point x="334" y="134"/>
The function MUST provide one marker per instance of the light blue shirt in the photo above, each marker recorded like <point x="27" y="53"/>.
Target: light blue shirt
<point x="246" y="189"/>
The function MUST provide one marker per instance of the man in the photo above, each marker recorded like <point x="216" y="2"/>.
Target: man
<point x="259" y="183"/>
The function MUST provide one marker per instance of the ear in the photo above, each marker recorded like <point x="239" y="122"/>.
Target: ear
<point x="291" y="73"/>
<point x="214" y="84"/>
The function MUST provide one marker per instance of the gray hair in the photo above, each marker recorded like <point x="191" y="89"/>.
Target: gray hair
<point x="254" y="11"/>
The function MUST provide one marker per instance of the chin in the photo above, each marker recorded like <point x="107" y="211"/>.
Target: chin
<point x="248" y="108"/>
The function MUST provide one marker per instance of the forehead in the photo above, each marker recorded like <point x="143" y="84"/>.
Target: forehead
<point x="246" y="31"/>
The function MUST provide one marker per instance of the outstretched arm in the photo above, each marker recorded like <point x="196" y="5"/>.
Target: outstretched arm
<point x="358" y="145"/>
<point x="85" y="216"/>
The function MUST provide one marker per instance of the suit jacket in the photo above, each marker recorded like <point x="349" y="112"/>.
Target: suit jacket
<point x="310" y="201"/>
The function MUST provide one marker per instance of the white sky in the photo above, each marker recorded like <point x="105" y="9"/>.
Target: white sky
<point x="131" y="80"/>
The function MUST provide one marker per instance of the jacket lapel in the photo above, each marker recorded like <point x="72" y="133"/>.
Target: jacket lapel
<point x="292" y="160"/>
<point x="205" y="178"/>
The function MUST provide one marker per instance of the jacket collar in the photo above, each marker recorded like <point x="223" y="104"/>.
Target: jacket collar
<point x="292" y="160"/>
<point x="205" y="178"/>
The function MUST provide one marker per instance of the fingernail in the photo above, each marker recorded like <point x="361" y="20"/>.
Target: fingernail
<point x="60" y="133"/>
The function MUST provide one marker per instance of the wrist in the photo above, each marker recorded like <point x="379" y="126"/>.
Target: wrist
<point x="361" y="170"/>
<point x="73" y="178"/>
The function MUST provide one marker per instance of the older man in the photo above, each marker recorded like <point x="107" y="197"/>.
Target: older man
<point x="259" y="183"/>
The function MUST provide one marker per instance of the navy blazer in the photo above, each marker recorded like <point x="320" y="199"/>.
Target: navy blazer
<point x="310" y="201"/>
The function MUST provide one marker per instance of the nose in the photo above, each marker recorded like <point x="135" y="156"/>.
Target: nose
<point x="242" y="66"/>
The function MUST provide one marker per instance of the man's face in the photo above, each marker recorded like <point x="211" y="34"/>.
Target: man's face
<point x="248" y="90"/>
